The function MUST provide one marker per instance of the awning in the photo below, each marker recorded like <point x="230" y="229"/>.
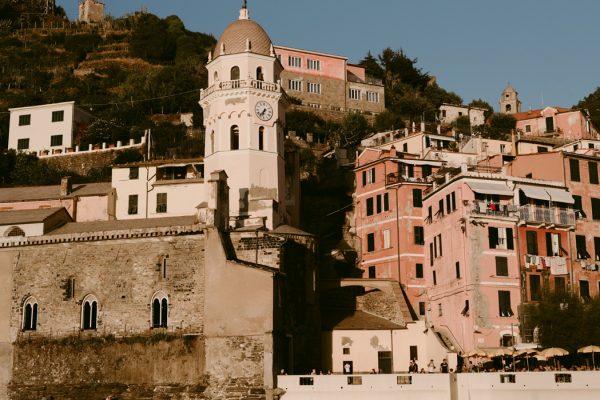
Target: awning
<point x="412" y="161"/>
<point x="499" y="189"/>
<point x="173" y="165"/>
<point x="546" y="193"/>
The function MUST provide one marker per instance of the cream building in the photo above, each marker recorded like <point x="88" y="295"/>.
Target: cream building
<point x="244" y="114"/>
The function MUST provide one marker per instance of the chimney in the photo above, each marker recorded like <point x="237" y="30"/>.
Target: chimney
<point x="218" y="200"/>
<point x="66" y="187"/>
<point x="422" y="126"/>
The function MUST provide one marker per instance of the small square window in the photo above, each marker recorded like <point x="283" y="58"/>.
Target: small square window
<point x="22" y="144"/>
<point x="56" y="140"/>
<point x="24" y="119"/>
<point x="58" y="116"/>
<point x="134" y="172"/>
<point x="346" y="350"/>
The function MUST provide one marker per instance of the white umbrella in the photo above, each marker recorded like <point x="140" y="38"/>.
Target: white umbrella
<point x="525" y="352"/>
<point x="590" y="349"/>
<point x="554" y="352"/>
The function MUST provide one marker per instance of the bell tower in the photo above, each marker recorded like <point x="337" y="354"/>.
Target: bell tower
<point x="509" y="101"/>
<point x="244" y="114"/>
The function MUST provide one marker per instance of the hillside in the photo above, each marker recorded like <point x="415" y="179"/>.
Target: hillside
<point x="123" y="72"/>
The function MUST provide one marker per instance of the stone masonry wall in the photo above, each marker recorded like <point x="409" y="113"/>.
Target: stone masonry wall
<point x="122" y="274"/>
<point x="79" y="368"/>
<point x="258" y="248"/>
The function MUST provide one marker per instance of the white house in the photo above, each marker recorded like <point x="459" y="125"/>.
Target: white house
<point x="450" y="112"/>
<point x="155" y="189"/>
<point x="48" y="127"/>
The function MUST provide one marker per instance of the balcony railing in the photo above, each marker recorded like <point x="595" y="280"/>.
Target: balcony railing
<point x="396" y="177"/>
<point x="547" y="215"/>
<point x="493" y="209"/>
<point x="240" y="84"/>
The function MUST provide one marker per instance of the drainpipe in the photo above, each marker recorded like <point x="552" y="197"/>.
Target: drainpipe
<point x="398" y="238"/>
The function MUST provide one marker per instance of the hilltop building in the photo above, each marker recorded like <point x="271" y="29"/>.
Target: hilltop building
<point x="448" y="113"/>
<point x="91" y="11"/>
<point x="328" y="82"/>
<point x="558" y="122"/>
<point x="46" y="128"/>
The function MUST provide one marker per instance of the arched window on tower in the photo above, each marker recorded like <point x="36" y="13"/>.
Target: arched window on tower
<point x="234" y="138"/>
<point x="89" y="313"/>
<point x="160" y="310"/>
<point x="30" y="314"/>
<point x="508" y="108"/>
<point x="261" y="138"/>
<point x="259" y="74"/>
<point x="212" y="142"/>
<point x="235" y="73"/>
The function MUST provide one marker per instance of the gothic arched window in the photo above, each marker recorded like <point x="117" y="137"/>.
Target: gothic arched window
<point x="259" y="74"/>
<point x="160" y="310"/>
<point x="261" y="138"/>
<point x="234" y="137"/>
<point x="508" y="108"/>
<point x="30" y="314"/>
<point x="235" y="73"/>
<point x="89" y="313"/>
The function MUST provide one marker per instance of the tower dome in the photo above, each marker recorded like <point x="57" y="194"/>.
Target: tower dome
<point x="243" y="35"/>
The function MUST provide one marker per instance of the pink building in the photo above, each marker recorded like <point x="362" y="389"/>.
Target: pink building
<point x="389" y="223"/>
<point x="556" y="121"/>
<point x="579" y="173"/>
<point x="84" y="202"/>
<point x="471" y="260"/>
<point x="328" y="82"/>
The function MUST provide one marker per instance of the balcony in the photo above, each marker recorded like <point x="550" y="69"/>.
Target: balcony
<point x="240" y="84"/>
<point x="493" y="209"/>
<point x="396" y="177"/>
<point x="547" y="215"/>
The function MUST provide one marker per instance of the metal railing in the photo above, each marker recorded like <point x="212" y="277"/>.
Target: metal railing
<point x="547" y="215"/>
<point x="240" y="84"/>
<point x="396" y="177"/>
<point x="493" y="209"/>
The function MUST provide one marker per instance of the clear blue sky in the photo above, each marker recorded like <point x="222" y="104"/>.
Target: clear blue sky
<point x="549" y="50"/>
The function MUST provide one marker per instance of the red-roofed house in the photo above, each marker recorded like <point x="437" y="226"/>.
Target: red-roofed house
<point x="556" y="121"/>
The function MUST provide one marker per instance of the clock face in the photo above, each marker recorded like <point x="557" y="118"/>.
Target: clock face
<point x="263" y="110"/>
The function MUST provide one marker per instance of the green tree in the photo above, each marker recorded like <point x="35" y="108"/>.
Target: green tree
<point x="462" y="124"/>
<point x="591" y="103"/>
<point x="372" y="67"/>
<point x="557" y="317"/>
<point x="354" y="128"/>
<point x="388" y="120"/>
<point x="151" y="39"/>
<point x="303" y="122"/>
<point x="500" y="126"/>
<point x="479" y="103"/>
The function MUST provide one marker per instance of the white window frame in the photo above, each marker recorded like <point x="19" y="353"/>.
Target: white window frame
<point x="295" y="85"/>
<point x="163" y="319"/>
<point x="91" y="299"/>
<point x="312" y="87"/>
<point x="34" y="314"/>
<point x="295" y="61"/>
<point x="502" y="242"/>
<point x="372" y="97"/>
<point x="354" y="93"/>
<point x="314" y="65"/>
<point x="387" y="242"/>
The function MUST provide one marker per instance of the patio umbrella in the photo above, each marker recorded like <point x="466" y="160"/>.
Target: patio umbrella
<point x="500" y="352"/>
<point x="554" y="352"/>
<point x="525" y="352"/>
<point x="590" y="349"/>
<point x="477" y="353"/>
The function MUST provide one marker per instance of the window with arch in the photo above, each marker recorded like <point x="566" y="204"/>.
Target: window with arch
<point x="30" y="314"/>
<point x="261" y="138"/>
<point x="259" y="74"/>
<point x="15" y="231"/>
<point x="508" y="108"/>
<point x="212" y="142"/>
<point x="216" y="76"/>
<point x="160" y="310"/>
<point x="89" y="313"/>
<point x="235" y="73"/>
<point x="234" y="137"/>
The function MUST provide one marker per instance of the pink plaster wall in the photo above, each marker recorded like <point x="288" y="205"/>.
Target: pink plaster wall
<point x="331" y="67"/>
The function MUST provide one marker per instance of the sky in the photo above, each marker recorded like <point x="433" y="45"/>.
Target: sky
<point x="549" y="50"/>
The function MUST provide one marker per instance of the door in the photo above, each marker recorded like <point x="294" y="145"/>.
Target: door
<point x="384" y="362"/>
